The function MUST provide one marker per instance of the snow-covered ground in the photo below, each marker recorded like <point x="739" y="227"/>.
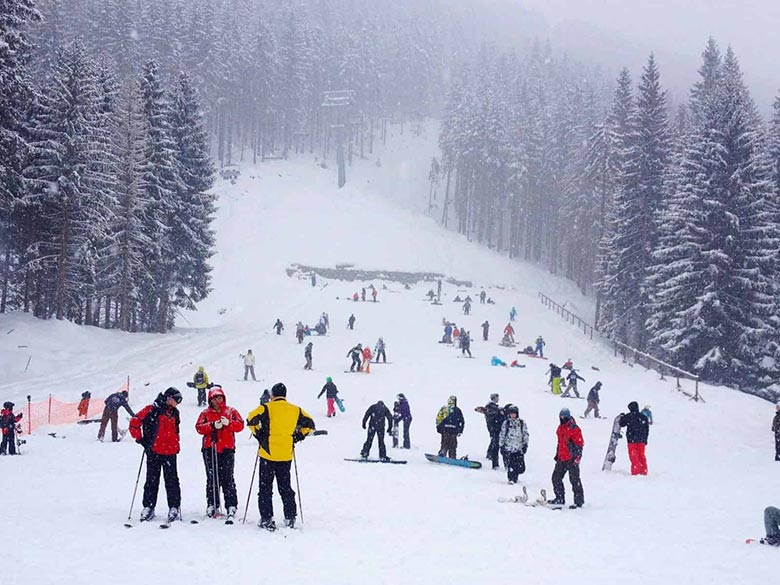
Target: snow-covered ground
<point x="711" y="465"/>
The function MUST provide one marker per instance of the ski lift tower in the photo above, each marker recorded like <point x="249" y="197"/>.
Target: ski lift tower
<point x="337" y="106"/>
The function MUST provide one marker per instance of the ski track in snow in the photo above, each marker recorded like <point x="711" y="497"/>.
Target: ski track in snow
<point x="711" y="468"/>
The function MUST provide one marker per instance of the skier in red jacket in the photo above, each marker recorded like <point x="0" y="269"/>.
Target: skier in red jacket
<point x="219" y="424"/>
<point x="156" y="427"/>
<point x="567" y="459"/>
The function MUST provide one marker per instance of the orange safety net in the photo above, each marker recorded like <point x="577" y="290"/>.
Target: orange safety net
<point x="56" y="412"/>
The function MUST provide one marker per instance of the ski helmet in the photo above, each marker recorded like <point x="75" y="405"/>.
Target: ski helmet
<point x="216" y="391"/>
<point x="329" y="379"/>
<point x="512" y="408"/>
<point x="494" y="397"/>
<point x="8" y="405"/>
<point x="279" y="389"/>
<point x="565" y="414"/>
<point x="173" y="393"/>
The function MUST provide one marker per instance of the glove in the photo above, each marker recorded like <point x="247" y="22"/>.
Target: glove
<point x="524" y="450"/>
<point x="298" y="436"/>
<point x="364" y="427"/>
<point x="225" y="422"/>
<point x="555" y="458"/>
<point x="577" y="460"/>
<point x="218" y="424"/>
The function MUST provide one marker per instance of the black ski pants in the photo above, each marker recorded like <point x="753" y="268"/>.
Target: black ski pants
<point x="380" y="435"/>
<point x="492" y="452"/>
<point x="382" y="353"/>
<point x="202" y="396"/>
<point x="465" y="349"/>
<point x="777" y="446"/>
<point x="515" y="465"/>
<point x="9" y="443"/>
<point x="561" y="467"/>
<point x="407" y="442"/>
<point x="281" y="471"/>
<point x="355" y="362"/>
<point x="167" y="464"/>
<point x="225" y="464"/>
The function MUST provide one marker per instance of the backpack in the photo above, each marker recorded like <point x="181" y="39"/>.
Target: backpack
<point x="198" y="377"/>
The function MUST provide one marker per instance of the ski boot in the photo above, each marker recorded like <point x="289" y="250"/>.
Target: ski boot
<point x="211" y="511"/>
<point x="147" y="513"/>
<point x="266" y="524"/>
<point x="289" y="522"/>
<point x="231" y="512"/>
<point x="173" y="515"/>
<point x="556" y="502"/>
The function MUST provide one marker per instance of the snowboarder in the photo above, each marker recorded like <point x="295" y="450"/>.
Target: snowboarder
<point x="200" y="381"/>
<point x="776" y="431"/>
<point x="351" y="322"/>
<point x="465" y="343"/>
<point x="485" y="330"/>
<point x="450" y="425"/>
<point x="467" y="307"/>
<point x="482" y="297"/>
<point x="8" y="421"/>
<point x="249" y="364"/>
<point x="509" y="332"/>
<point x="375" y="416"/>
<point x="447" y="338"/>
<point x="355" y="354"/>
<point x="402" y="413"/>
<point x="513" y="443"/>
<point x="278" y="326"/>
<point x="363" y="294"/>
<point x="320" y="328"/>
<point x="373" y="293"/>
<point x="113" y="403"/>
<point x="567" y="459"/>
<point x="300" y="331"/>
<point x="367" y="360"/>
<point x="539" y="346"/>
<point x="555" y="378"/>
<point x="331" y="394"/>
<point x="277" y="426"/>
<point x="572" y="377"/>
<point x="325" y="320"/>
<point x="307" y="356"/>
<point x="380" y="350"/>
<point x="593" y="401"/>
<point x="219" y="424"/>
<point x="512" y="314"/>
<point x="156" y="428"/>
<point x="637" y="430"/>
<point x="494" y="418"/>
<point x="772" y="526"/>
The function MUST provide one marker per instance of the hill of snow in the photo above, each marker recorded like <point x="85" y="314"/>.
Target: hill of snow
<point x="711" y="468"/>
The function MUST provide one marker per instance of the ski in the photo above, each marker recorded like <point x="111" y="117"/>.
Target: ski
<point x="448" y="461"/>
<point x="361" y="460"/>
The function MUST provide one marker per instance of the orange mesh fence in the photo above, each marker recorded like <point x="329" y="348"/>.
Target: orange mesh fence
<point x="55" y="412"/>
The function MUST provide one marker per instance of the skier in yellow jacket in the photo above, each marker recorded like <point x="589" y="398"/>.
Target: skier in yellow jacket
<point x="277" y="425"/>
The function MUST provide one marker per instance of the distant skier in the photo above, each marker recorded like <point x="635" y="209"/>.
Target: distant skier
<point x="8" y="421"/>
<point x="375" y="416"/>
<point x="367" y="360"/>
<point x="509" y="332"/>
<point x="363" y="294"/>
<point x="593" y="401"/>
<point x="278" y="326"/>
<point x="380" y="350"/>
<point x="249" y="364"/>
<point x="351" y="322"/>
<point x="313" y="279"/>
<point x="572" y="378"/>
<point x="113" y="403"/>
<point x="307" y="356"/>
<point x="513" y="442"/>
<point x="637" y="430"/>
<point x="465" y="344"/>
<point x="555" y="378"/>
<point x="373" y="293"/>
<point x="200" y="381"/>
<point x="402" y="413"/>
<point x="355" y="353"/>
<point x="482" y="297"/>
<point x="450" y="425"/>
<point x="447" y="337"/>
<point x="512" y="314"/>
<point x="539" y="346"/>
<point x="494" y="418"/>
<point x="300" y="331"/>
<point x="331" y="394"/>
<point x="776" y="431"/>
<point x="485" y="330"/>
<point x="325" y="319"/>
<point x="567" y="460"/>
<point x="467" y="307"/>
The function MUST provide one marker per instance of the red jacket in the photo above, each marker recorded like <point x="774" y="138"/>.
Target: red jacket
<point x="226" y="436"/>
<point x="156" y="427"/>
<point x="570" y="441"/>
<point x="367" y="354"/>
<point x="8" y="420"/>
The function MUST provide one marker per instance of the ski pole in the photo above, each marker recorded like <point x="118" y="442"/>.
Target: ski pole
<point x="135" y="491"/>
<point x="251" y="482"/>
<point x="215" y="476"/>
<point x="297" y="484"/>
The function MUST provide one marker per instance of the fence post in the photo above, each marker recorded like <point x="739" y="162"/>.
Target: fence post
<point x="29" y="416"/>
<point x="49" y="419"/>
<point x="696" y="394"/>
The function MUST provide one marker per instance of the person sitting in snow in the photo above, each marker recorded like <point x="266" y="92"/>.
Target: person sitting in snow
<point x="496" y="361"/>
<point x="278" y="326"/>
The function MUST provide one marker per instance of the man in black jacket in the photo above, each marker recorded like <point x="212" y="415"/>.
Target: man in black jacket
<point x="637" y="429"/>
<point x="494" y="418"/>
<point x="111" y="413"/>
<point x="355" y="354"/>
<point x="450" y="424"/>
<point x="375" y="417"/>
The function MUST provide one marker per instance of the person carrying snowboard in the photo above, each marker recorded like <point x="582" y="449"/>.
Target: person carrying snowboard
<point x="402" y="413"/>
<point x="450" y="425"/>
<point x="567" y="460"/>
<point x="494" y="418"/>
<point x="156" y="428"/>
<point x="8" y="421"/>
<point x="513" y="442"/>
<point x="355" y="354"/>
<point x="380" y="350"/>
<point x="113" y="403"/>
<point x="331" y="394"/>
<point x="637" y="430"/>
<point x="367" y="360"/>
<point x="539" y="346"/>
<point x="249" y="364"/>
<point x="351" y="322"/>
<point x="277" y="426"/>
<point x="593" y="401"/>
<point x="200" y="381"/>
<point x="776" y="431"/>
<point x="375" y="416"/>
<point x="465" y="344"/>
<point x="278" y="326"/>
<point x="555" y="378"/>
<point x="572" y="377"/>
<point x="307" y="356"/>
<point x="485" y="330"/>
<point x="219" y="424"/>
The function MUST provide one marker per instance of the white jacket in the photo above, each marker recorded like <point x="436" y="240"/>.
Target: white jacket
<point x="249" y="359"/>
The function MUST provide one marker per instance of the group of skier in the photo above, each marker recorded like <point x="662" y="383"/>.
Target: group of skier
<point x="362" y="356"/>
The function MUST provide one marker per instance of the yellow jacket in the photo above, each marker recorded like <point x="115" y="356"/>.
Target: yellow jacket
<point x="204" y="383"/>
<point x="273" y="425"/>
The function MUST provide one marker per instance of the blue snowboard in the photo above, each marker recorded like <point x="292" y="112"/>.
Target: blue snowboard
<point x="459" y="462"/>
<point x="339" y="403"/>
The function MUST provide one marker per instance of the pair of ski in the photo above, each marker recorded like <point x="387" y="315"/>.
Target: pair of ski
<point x="540" y="502"/>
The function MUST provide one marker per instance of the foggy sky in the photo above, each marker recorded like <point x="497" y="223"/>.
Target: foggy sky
<point x="622" y="32"/>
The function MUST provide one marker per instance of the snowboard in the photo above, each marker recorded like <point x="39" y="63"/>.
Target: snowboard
<point x="373" y="362"/>
<point x="609" y="459"/>
<point x="468" y="357"/>
<point x="339" y="404"/>
<point x="361" y="460"/>
<point x="530" y="355"/>
<point x="459" y="462"/>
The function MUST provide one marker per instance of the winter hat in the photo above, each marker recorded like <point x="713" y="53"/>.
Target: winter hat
<point x="216" y="391"/>
<point x="452" y="401"/>
<point x="279" y="389"/>
<point x="512" y="408"/>
<point x="380" y="403"/>
<point x="633" y="406"/>
<point x="201" y="368"/>
<point x="494" y="397"/>
<point x="598" y="384"/>
<point x="329" y="379"/>
<point x="173" y="393"/>
<point x="401" y="397"/>
<point x="8" y="405"/>
<point x="565" y="413"/>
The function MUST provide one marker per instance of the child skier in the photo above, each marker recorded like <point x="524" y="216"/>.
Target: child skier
<point x="8" y="421"/>
<point x="513" y="441"/>
<point x="331" y="394"/>
<point x="367" y="360"/>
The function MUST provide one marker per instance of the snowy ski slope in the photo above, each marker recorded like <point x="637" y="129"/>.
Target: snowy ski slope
<point x="65" y="500"/>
